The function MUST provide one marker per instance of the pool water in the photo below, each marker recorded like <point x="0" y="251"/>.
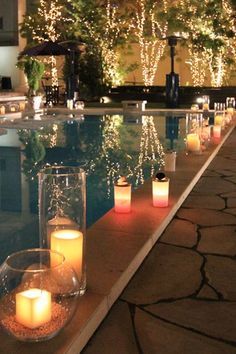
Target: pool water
<point x="105" y="146"/>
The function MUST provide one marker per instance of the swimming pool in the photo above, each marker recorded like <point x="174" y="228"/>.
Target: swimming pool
<point x="106" y="146"/>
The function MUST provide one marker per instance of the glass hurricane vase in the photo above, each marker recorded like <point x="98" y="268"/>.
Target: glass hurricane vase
<point x="38" y="292"/>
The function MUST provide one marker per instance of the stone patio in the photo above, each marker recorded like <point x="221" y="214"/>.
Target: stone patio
<point x="182" y="299"/>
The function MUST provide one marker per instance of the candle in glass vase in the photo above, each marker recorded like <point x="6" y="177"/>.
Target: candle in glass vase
<point x="160" y="190"/>
<point x="122" y="196"/>
<point x="218" y="119"/>
<point x="69" y="242"/>
<point x="33" y="307"/>
<point x="193" y="142"/>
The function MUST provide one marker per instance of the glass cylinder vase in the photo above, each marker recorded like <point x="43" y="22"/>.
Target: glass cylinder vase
<point x="194" y="123"/>
<point x="38" y="293"/>
<point x="62" y="215"/>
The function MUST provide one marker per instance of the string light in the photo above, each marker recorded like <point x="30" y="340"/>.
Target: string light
<point x="43" y="26"/>
<point x="151" y="46"/>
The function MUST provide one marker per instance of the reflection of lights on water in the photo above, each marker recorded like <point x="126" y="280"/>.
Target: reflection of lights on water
<point x="151" y="150"/>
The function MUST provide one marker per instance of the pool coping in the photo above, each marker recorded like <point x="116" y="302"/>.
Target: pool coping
<point x="116" y="246"/>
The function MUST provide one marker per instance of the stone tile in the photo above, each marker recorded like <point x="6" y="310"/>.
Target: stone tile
<point x="223" y="172"/>
<point x="231" y="211"/>
<point x="181" y="233"/>
<point x="220" y="272"/>
<point x="210" y="173"/>
<point x="231" y="202"/>
<point x="207" y="292"/>
<point x="115" y="335"/>
<point x="198" y="201"/>
<point x="221" y="161"/>
<point x="231" y="179"/>
<point x="156" y="336"/>
<point x="219" y="240"/>
<point x="229" y="195"/>
<point x="169" y="272"/>
<point x="212" y="185"/>
<point x="206" y="218"/>
<point x="213" y="318"/>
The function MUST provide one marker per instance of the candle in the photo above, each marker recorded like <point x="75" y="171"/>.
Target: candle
<point x="230" y="110"/>
<point x="195" y="107"/>
<point x="216" y="131"/>
<point x="218" y="119"/>
<point x="205" y="106"/>
<point x="170" y="161"/>
<point x="160" y="190"/>
<point x="2" y="110"/>
<point x="33" y="307"/>
<point x="69" y="242"/>
<point x="193" y="142"/>
<point x="122" y="196"/>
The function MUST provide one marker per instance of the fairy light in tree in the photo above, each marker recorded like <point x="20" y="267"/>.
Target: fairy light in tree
<point x="151" y="47"/>
<point x="43" y="26"/>
<point x="203" y="27"/>
<point x="107" y="41"/>
<point x="151" y="150"/>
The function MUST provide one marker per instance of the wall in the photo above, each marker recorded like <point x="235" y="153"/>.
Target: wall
<point x="8" y="57"/>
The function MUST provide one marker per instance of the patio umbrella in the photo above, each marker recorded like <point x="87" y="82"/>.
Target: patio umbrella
<point x="44" y="49"/>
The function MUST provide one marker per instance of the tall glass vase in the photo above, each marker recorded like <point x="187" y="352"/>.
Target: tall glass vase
<point x="62" y="215"/>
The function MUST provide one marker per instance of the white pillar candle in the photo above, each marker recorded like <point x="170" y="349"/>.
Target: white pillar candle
<point x="33" y="307"/>
<point x="69" y="242"/>
<point x="216" y="131"/>
<point x="122" y="196"/>
<point x="160" y="190"/>
<point x="170" y="161"/>
<point x="193" y="142"/>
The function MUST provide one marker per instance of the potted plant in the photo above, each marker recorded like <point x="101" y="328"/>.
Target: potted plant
<point x="33" y="70"/>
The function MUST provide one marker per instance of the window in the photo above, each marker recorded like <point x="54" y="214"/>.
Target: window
<point x="8" y="23"/>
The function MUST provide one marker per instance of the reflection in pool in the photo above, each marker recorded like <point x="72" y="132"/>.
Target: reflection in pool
<point x="105" y="146"/>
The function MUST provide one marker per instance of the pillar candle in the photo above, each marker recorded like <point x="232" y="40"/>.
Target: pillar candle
<point x="122" y="196"/>
<point x="193" y="142"/>
<point x="160" y="190"/>
<point x="69" y="242"/>
<point x="216" y="131"/>
<point x="33" y="307"/>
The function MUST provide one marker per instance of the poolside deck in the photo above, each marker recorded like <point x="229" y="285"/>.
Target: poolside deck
<point x="181" y="299"/>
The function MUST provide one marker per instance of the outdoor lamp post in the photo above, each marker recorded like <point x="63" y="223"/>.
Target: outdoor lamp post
<point x="172" y="79"/>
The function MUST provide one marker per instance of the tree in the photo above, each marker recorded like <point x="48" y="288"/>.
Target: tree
<point x="148" y="28"/>
<point x="102" y="25"/>
<point x="210" y="25"/>
<point x="48" y="23"/>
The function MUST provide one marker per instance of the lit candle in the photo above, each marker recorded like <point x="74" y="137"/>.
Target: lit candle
<point x="218" y="119"/>
<point x="2" y="110"/>
<point x="195" y="107"/>
<point x="33" y="307"/>
<point x="170" y="161"/>
<point x="205" y="106"/>
<point x="160" y="190"/>
<point x="69" y="242"/>
<point x="193" y="142"/>
<point x="230" y="110"/>
<point x="122" y="196"/>
<point x="216" y="131"/>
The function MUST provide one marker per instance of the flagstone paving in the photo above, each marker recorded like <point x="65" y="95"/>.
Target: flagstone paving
<point x="182" y="300"/>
